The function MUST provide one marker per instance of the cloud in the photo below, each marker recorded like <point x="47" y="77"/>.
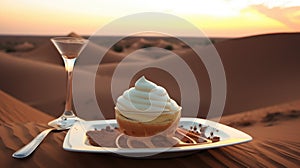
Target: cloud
<point x="289" y="16"/>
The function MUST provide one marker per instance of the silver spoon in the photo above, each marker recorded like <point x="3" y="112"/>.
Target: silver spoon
<point x="61" y="123"/>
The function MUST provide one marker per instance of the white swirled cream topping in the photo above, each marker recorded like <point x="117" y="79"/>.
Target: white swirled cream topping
<point x="145" y="99"/>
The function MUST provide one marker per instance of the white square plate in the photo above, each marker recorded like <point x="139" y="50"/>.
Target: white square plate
<point x="76" y="139"/>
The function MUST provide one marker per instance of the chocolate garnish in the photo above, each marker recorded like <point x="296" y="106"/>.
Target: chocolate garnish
<point x="112" y="137"/>
<point x="103" y="137"/>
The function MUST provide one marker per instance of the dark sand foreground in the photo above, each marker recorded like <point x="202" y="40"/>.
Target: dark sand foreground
<point x="274" y="129"/>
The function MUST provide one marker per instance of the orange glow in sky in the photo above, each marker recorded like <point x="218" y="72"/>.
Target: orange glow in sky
<point x="222" y="18"/>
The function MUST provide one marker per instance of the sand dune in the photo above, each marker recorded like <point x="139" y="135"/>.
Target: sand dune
<point x="41" y="85"/>
<point x="277" y="147"/>
<point x="260" y="70"/>
<point x="45" y="53"/>
<point x="12" y="110"/>
<point x="269" y="122"/>
<point x="92" y="51"/>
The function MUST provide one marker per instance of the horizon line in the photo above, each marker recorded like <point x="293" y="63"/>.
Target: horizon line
<point x="183" y="36"/>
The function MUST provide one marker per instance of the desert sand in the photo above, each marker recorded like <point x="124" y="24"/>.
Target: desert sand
<point x="275" y="141"/>
<point x="263" y="100"/>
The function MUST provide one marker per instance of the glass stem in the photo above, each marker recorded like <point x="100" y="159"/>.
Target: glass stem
<point x="69" y="65"/>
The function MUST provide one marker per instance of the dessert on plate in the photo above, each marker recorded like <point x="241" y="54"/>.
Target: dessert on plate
<point x="146" y="110"/>
<point x="148" y="118"/>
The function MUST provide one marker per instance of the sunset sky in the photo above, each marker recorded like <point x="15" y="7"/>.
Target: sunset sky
<point x="222" y="18"/>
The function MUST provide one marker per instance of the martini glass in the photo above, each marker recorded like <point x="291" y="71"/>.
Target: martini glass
<point x="69" y="48"/>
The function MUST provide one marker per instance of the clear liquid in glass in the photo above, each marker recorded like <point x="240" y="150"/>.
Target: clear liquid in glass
<point x="70" y="49"/>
